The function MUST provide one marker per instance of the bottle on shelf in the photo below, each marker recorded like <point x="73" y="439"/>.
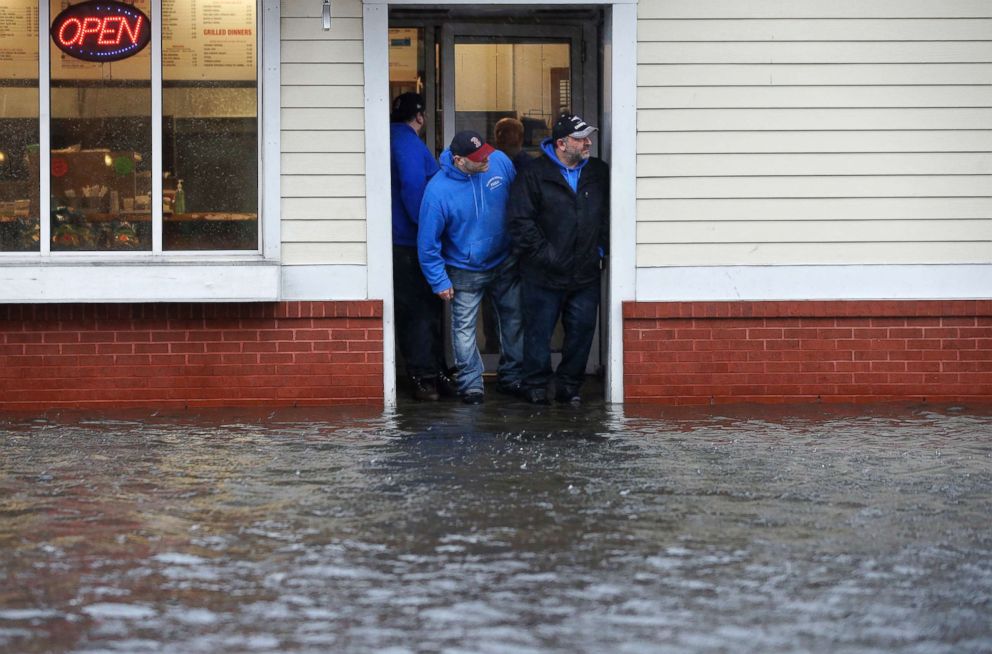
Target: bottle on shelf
<point x="179" y="202"/>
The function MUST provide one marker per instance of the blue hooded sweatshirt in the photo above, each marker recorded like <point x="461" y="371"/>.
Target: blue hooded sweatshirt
<point x="463" y="219"/>
<point x="412" y="165"/>
<point x="571" y="175"/>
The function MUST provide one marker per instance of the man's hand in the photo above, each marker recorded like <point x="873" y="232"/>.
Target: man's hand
<point x="447" y="294"/>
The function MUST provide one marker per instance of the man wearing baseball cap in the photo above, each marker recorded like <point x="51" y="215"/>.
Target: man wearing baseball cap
<point x="464" y="249"/>
<point x="559" y="216"/>
<point x="418" y="310"/>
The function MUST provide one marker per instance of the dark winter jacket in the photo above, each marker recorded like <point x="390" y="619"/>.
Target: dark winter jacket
<point x="560" y="234"/>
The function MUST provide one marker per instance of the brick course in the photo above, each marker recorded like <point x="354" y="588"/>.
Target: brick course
<point x="807" y="351"/>
<point x="190" y="355"/>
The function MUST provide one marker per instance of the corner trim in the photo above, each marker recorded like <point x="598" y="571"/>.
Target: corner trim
<point x="379" y="234"/>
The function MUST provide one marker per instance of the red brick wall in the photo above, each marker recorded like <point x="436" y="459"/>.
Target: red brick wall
<point x="851" y="351"/>
<point x="196" y="355"/>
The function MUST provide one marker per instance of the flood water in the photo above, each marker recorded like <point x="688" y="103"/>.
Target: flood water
<point x="501" y="528"/>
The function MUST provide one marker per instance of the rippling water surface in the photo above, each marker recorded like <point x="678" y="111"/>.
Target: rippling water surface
<point x="499" y="529"/>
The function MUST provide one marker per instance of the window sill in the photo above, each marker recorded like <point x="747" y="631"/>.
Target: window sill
<point x="132" y="279"/>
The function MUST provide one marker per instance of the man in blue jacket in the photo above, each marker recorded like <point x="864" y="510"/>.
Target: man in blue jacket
<point x="417" y="309"/>
<point x="464" y="249"/>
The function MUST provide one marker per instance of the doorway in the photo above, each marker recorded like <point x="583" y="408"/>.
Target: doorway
<point x="478" y="65"/>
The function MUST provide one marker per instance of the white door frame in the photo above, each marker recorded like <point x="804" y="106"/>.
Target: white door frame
<point x="618" y="148"/>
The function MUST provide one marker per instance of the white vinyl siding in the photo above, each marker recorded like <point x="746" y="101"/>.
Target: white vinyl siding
<point x="323" y="139"/>
<point x="774" y="132"/>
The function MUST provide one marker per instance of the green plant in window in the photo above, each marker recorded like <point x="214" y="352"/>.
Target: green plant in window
<point x="70" y="230"/>
<point x="125" y="236"/>
<point x="69" y="236"/>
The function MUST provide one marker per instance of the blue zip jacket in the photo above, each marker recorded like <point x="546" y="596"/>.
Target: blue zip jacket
<point x="463" y="220"/>
<point x="412" y="165"/>
<point x="571" y="175"/>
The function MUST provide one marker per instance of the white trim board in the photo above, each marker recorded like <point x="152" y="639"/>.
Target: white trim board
<point x="620" y="120"/>
<point x="379" y="221"/>
<point x="270" y="136"/>
<point x="322" y="282"/>
<point x="107" y="281"/>
<point x="861" y="282"/>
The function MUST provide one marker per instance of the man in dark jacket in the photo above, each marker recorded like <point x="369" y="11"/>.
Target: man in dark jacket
<point x="559" y="216"/>
<point x="418" y="311"/>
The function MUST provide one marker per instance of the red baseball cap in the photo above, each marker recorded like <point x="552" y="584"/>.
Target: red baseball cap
<point x="471" y="145"/>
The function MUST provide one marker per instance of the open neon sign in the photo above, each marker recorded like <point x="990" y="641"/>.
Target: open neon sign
<point x="101" y="30"/>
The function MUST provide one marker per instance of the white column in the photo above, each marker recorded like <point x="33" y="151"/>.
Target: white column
<point x="620" y="67"/>
<point x="270" y="125"/>
<point x="378" y="208"/>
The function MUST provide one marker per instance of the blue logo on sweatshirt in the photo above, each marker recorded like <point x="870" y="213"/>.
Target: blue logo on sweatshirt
<point x="494" y="183"/>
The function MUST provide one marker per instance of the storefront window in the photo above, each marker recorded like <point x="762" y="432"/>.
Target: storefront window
<point x="103" y="175"/>
<point x="209" y="130"/>
<point x="19" y="187"/>
<point x="101" y="149"/>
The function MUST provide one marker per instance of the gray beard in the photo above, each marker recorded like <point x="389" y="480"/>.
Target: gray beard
<point x="570" y="160"/>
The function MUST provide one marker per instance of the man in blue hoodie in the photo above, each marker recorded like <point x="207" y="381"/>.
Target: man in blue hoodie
<point x="464" y="249"/>
<point x="418" y="311"/>
<point x="559" y="215"/>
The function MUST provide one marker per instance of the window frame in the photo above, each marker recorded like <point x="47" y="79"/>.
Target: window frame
<point x="181" y="275"/>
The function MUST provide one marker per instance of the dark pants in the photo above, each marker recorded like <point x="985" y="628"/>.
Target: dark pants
<point x="542" y="307"/>
<point x="418" y="316"/>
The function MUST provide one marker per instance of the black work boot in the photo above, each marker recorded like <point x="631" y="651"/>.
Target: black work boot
<point x="425" y="389"/>
<point x="536" y="396"/>
<point x="512" y="389"/>
<point x="446" y="384"/>
<point x="568" y="396"/>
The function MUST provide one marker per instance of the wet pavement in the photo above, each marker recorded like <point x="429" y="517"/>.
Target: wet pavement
<point x="499" y="528"/>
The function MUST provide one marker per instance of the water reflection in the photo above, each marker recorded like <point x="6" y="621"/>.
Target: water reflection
<point x="500" y="528"/>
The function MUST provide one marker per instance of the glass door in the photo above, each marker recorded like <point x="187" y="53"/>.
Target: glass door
<point x="529" y="73"/>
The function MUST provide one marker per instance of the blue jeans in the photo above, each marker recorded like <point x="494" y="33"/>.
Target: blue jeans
<point x="502" y="286"/>
<point x="542" y="307"/>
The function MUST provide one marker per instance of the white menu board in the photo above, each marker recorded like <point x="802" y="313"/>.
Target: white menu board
<point x="18" y="39"/>
<point x="209" y="40"/>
